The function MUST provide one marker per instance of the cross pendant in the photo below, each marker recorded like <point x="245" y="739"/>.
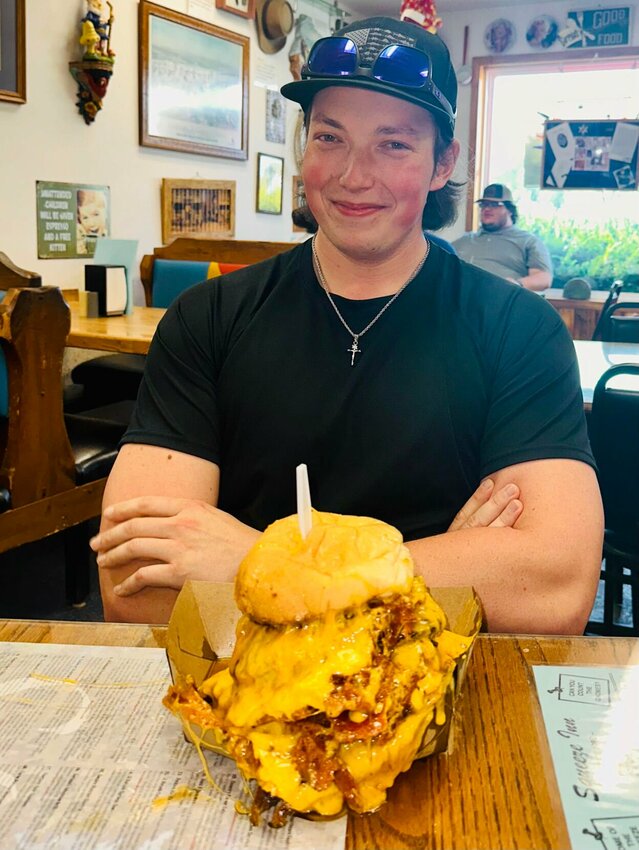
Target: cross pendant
<point x="353" y="350"/>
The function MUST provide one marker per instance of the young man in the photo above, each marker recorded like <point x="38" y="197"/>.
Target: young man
<point x="418" y="389"/>
<point x="503" y="249"/>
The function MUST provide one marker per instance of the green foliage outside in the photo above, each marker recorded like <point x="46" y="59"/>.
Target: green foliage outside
<point x="603" y="252"/>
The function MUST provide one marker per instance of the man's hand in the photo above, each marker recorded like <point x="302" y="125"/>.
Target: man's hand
<point x="174" y="539"/>
<point x="490" y="508"/>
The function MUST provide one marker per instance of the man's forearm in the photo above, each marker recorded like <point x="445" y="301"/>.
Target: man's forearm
<point x="536" y="280"/>
<point x="525" y="585"/>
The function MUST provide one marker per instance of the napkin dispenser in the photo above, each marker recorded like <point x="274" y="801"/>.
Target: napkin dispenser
<point x="109" y="282"/>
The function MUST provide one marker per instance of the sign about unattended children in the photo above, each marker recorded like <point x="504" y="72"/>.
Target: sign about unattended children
<point x="71" y="218"/>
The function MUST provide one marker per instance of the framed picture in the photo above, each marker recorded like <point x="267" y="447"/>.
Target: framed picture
<point x="298" y="199"/>
<point x="243" y="8"/>
<point x="270" y="183"/>
<point x="193" y="85"/>
<point x="200" y="208"/>
<point x="275" y="128"/>
<point x="13" y="78"/>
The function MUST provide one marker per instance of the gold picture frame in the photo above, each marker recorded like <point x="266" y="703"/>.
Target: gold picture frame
<point x="13" y="75"/>
<point x="204" y="209"/>
<point x="193" y="85"/>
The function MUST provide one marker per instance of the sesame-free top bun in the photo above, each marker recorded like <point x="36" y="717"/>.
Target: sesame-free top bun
<point x="343" y="562"/>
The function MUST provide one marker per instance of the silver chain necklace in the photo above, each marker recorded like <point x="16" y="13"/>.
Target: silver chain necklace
<point x="355" y="349"/>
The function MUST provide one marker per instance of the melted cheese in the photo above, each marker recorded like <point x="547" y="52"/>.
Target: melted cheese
<point x="277" y="676"/>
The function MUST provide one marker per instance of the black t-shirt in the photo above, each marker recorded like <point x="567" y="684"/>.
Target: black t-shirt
<point x="463" y="375"/>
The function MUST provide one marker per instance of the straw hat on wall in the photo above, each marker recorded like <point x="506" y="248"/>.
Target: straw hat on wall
<point x="274" y="19"/>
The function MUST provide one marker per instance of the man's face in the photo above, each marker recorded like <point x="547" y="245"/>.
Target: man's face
<point x="494" y="215"/>
<point x="368" y="168"/>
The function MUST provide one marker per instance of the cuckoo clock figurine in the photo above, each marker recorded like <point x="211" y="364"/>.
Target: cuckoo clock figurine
<point x="422" y="12"/>
<point x="93" y="72"/>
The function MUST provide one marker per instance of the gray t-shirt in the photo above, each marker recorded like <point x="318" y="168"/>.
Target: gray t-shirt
<point x="507" y="253"/>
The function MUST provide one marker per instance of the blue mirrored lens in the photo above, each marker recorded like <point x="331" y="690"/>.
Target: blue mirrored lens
<point x="403" y="66"/>
<point x="335" y="56"/>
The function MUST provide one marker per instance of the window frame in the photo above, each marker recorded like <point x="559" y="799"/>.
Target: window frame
<point x="481" y="95"/>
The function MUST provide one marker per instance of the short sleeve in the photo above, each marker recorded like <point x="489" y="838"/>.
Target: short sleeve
<point x="535" y="409"/>
<point x="537" y="255"/>
<point x="177" y="402"/>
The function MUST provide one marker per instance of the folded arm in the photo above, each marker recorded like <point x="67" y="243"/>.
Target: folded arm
<point x="535" y="570"/>
<point x="539" y="576"/>
<point x="160" y="526"/>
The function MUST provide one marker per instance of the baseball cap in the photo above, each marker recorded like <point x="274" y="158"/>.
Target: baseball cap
<point x="371" y="36"/>
<point x="496" y="192"/>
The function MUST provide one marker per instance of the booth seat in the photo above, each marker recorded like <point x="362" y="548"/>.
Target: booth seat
<point x="166" y="273"/>
<point x="172" y="277"/>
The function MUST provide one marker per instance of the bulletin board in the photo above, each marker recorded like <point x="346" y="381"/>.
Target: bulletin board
<point x="590" y="155"/>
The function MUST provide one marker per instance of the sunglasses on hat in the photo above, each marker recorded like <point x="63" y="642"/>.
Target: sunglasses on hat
<point x="490" y="204"/>
<point x="395" y="64"/>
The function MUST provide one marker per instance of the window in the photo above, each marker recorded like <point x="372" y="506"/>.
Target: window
<point x="514" y="97"/>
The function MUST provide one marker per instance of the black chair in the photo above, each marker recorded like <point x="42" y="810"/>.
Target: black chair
<point x="106" y="387"/>
<point x="614" y="436"/>
<point x="619" y="320"/>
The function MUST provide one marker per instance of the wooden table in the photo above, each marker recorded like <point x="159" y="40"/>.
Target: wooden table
<point x="129" y="334"/>
<point x="132" y="334"/>
<point x="580" y="317"/>
<point x="497" y="787"/>
<point x="595" y="358"/>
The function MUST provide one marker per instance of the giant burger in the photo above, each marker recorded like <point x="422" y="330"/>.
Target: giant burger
<point x="341" y="665"/>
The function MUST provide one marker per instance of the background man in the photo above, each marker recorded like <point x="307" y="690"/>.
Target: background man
<point x="418" y="389"/>
<point x="503" y="249"/>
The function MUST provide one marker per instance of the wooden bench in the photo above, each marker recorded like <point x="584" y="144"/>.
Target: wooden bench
<point x="39" y="464"/>
<point x="580" y="317"/>
<point x="208" y="250"/>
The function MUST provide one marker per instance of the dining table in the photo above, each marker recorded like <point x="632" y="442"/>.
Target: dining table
<point x="595" y="358"/>
<point x="496" y="787"/>
<point x="129" y="333"/>
<point x="132" y="334"/>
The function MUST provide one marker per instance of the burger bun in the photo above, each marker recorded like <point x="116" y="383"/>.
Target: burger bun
<point x="343" y="562"/>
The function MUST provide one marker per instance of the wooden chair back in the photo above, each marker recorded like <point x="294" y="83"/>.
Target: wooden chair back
<point x="11" y="276"/>
<point x="208" y="250"/>
<point x="37" y="465"/>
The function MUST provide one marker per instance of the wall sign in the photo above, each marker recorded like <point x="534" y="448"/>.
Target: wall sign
<point x="597" y="28"/>
<point x="71" y="217"/>
<point x="590" y="155"/>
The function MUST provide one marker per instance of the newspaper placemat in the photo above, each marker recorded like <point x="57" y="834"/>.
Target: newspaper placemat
<point x="591" y="716"/>
<point x="91" y="760"/>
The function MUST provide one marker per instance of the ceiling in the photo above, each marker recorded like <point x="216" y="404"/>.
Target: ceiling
<point x="364" y="8"/>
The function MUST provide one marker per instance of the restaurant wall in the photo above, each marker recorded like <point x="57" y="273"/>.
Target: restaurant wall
<point x="478" y="20"/>
<point x="46" y="139"/>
